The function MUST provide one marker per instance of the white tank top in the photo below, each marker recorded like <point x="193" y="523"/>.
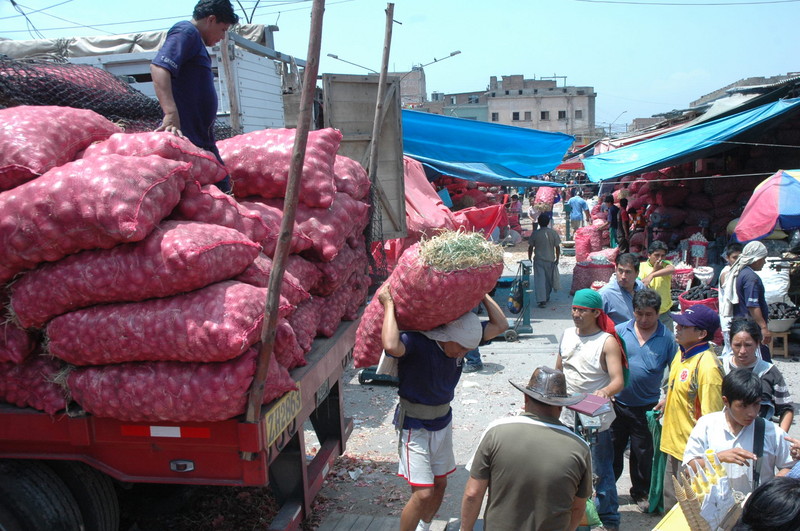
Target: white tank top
<point x="580" y="360"/>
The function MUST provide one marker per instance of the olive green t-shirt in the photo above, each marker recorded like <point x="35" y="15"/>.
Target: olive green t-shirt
<point x="536" y="467"/>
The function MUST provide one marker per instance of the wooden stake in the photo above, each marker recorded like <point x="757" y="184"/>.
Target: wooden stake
<point x="379" y="114"/>
<point x="253" y="412"/>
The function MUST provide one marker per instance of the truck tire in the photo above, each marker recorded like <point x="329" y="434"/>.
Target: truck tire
<point x="93" y="491"/>
<point x="8" y="521"/>
<point x="37" y="497"/>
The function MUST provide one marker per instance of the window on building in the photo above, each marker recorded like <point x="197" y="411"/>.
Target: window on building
<point x="495" y="117"/>
<point x="474" y="99"/>
<point x="452" y="100"/>
<point x="527" y="116"/>
<point x="578" y="114"/>
<point x="544" y="115"/>
<point x="562" y="115"/>
<point x="519" y="91"/>
<point x="515" y="116"/>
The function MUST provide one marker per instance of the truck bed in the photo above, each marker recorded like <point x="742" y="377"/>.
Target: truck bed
<point x="203" y="453"/>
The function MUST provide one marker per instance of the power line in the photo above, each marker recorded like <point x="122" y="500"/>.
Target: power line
<point x="177" y="17"/>
<point x="76" y="24"/>
<point x="37" y="10"/>
<point x="31" y="28"/>
<point x="630" y="2"/>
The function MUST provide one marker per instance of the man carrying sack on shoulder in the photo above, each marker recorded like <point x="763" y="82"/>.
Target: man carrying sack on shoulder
<point x="429" y="365"/>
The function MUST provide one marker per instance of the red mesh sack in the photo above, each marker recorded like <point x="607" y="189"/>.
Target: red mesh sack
<point x="287" y="350"/>
<point x="424" y="299"/>
<point x="206" y="169"/>
<point x="304" y="271"/>
<point x="672" y="196"/>
<point x="34" y="139"/>
<point x="583" y="243"/>
<point x="332" y="310"/>
<point x="304" y="321"/>
<point x="30" y="384"/>
<point x="259" y="163"/>
<point x="169" y="391"/>
<point x="350" y="177"/>
<point x="216" y="323"/>
<point x="16" y="344"/>
<point x="699" y="202"/>
<point x="257" y="274"/>
<point x="609" y="254"/>
<point x="338" y="270"/>
<point x="585" y="274"/>
<point x="211" y="205"/>
<point x="272" y="214"/>
<point x="328" y="229"/>
<point x="359" y="289"/>
<point x="86" y="204"/>
<point x="177" y="257"/>
<point x="667" y="217"/>
<point x="638" y="241"/>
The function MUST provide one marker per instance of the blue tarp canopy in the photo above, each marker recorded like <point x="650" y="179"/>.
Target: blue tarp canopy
<point x="482" y="151"/>
<point x="683" y="145"/>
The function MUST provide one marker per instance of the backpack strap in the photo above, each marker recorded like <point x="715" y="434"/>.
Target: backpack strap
<point x="758" y="449"/>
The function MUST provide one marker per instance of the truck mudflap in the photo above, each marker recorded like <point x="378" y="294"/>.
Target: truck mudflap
<point x="208" y="453"/>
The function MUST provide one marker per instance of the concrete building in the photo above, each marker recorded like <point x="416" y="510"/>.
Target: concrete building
<point x="541" y="104"/>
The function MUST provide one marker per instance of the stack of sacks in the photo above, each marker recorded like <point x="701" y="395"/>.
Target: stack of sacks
<point x="328" y="256"/>
<point x="677" y="207"/>
<point x="148" y="282"/>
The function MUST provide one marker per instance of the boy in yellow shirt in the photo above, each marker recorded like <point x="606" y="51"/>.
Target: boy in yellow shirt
<point x="694" y="388"/>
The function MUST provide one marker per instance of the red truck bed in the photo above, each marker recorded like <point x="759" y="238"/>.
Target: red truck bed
<point x="209" y="453"/>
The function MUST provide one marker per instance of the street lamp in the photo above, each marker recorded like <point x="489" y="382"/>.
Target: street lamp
<point x="615" y="121"/>
<point x="442" y="59"/>
<point x="334" y="56"/>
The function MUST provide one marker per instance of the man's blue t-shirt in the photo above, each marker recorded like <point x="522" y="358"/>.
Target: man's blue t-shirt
<point x="185" y="56"/>
<point x="427" y="376"/>
<point x="578" y="205"/>
<point x="750" y="291"/>
<point x="646" y="364"/>
<point x="613" y="217"/>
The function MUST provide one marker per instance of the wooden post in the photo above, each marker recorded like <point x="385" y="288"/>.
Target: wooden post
<point x="379" y="115"/>
<point x="287" y="223"/>
<point x="226" y="50"/>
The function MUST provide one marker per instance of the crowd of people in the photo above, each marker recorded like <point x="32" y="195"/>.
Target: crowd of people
<point x="672" y="393"/>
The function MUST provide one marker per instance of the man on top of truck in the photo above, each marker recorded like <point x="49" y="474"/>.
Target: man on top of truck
<point x="183" y="79"/>
<point x="429" y="367"/>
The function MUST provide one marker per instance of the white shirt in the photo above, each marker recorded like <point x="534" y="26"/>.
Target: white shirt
<point x="712" y="431"/>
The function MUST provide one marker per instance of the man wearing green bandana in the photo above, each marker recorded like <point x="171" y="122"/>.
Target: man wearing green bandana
<point x="592" y="357"/>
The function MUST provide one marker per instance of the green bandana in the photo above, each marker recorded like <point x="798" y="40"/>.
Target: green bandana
<point x="588" y="298"/>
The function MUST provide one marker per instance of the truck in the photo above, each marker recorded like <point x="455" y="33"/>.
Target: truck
<point x="63" y="471"/>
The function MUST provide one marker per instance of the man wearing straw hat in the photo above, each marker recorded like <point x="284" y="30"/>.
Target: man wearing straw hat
<point x="547" y="492"/>
<point x="592" y="357"/>
<point x="429" y="365"/>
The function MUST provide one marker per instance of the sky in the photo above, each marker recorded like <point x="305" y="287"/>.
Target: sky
<point x="642" y="57"/>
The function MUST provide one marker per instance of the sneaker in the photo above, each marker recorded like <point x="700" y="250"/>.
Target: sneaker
<point x="542" y="304"/>
<point x="643" y="504"/>
<point x="472" y="367"/>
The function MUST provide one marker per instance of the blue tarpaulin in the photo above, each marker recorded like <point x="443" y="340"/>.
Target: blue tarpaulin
<point x="482" y="151"/>
<point x="683" y="145"/>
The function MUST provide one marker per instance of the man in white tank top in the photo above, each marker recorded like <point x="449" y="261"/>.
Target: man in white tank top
<point x="592" y="359"/>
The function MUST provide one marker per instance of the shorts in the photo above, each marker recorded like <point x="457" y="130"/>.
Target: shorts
<point x="576" y="223"/>
<point x="425" y="455"/>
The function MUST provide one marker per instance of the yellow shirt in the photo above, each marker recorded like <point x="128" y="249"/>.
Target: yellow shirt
<point x="688" y="398"/>
<point x="661" y="285"/>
